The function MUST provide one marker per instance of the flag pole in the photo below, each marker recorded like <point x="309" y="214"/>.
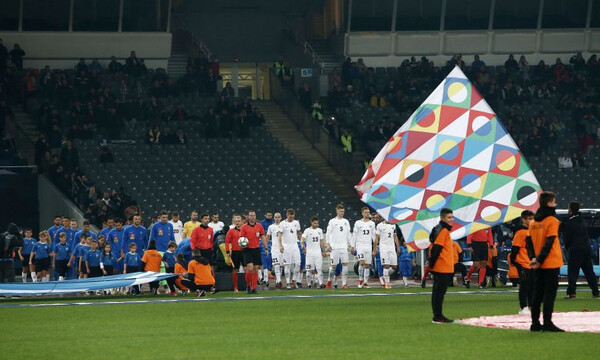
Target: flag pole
<point x="422" y="263"/>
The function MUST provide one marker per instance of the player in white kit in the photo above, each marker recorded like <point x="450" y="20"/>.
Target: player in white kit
<point x="338" y="239"/>
<point x="313" y="243"/>
<point x="362" y="242"/>
<point x="289" y="236"/>
<point x="387" y="240"/>
<point x="276" y="255"/>
<point x="177" y="227"/>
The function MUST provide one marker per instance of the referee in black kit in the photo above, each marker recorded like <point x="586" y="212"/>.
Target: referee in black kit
<point x="576" y="240"/>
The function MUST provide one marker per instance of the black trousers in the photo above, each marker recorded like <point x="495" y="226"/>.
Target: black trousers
<point x="192" y="285"/>
<point x="581" y="259"/>
<point x="440" y="285"/>
<point x="7" y="271"/>
<point x="525" y="286"/>
<point x="545" y="285"/>
<point x="171" y="281"/>
<point x="462" y="269"/>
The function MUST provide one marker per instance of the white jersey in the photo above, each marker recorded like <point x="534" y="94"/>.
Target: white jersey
<point x="216" y="227"/>
<point x="386" y="234"/>
<point x="338" y="233"/>
<point x="273" y="233"/>
<point x="312" y="240"/>
<point x="289" y="234"/>
<point x="177" y="230"/>
<point x="364" y="234"/>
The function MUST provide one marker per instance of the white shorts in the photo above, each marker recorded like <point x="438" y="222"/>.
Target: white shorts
<point x="364" y="254"/>
<point x="338" y="255"/>
<point x="276" y="258"/>
<point x="389" y="257"/>
<point x="291" y="256"/>
<point x="314" y="262"/>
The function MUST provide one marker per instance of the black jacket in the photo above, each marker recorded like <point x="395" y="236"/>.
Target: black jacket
<point x="10" y="240"/>
<point x="575" y="235"/>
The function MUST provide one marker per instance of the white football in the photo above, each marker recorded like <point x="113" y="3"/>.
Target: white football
<point x="243" y="242"/>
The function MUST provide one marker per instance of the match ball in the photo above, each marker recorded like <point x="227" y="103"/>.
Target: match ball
<point x="243" y="242"/>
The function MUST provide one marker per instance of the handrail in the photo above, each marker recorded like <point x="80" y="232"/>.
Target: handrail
<point x="182" y="26"/>
<point x="320" y="139"/>
<point x="299" y="39"/>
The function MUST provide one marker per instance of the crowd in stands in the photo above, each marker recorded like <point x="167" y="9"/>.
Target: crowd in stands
<point x="106" y="102"/>
<point x="538" y="104"/>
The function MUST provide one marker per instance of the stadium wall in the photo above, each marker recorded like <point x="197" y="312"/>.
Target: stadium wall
<point x="64" y="49"/>
<point x="390" y="49"/>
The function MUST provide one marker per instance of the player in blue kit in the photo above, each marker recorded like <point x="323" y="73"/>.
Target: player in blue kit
<point x="115" y="239"/>
<point x="61" y="256"/>
<point x="86" y="229"/>
<point x="110" y="225"/>
<point x="92" y="261"/>
<point x="162" y="232"/>
<point x="406" y="261"/>
<point x="40" y="256"/>
<point x="168" y="258"/>
<point x="185" y="248"/>
<point x="132" y="263"/>
<point x="24" y="254"/>
<point x="55" y="229"/>
<point x="266" y="255"/>
<point x="135" y="233"/>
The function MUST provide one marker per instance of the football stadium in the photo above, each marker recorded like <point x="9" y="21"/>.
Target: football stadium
<point x="327" y="179"/>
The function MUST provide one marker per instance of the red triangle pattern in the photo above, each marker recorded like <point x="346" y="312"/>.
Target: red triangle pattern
<point x="387" y="165"/>
<point x="474" y="114"/>
<point x="448" y="114"/>
<point x="457" y="160"/>
<point x="475" y="96"/>
<point x="416" y="139"/>
<point x="514" y="172"/>
<point x="464" y="171"/>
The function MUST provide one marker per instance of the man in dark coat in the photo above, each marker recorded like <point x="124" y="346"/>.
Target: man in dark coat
<point x="10" y="240"/>
<point x="576" y="241"/>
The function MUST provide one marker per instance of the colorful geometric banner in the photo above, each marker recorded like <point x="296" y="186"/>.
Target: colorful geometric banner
<point x="452" y="152"/>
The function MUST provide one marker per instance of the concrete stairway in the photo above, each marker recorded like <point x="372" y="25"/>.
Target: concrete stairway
<point x="330" y="59"/>
<point x="177" y="66"/>
<point x="282" y="127"/>
<point x="27" y="135"/>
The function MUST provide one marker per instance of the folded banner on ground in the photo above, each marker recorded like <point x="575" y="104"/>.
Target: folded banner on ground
<point x="452" y="152"/>
<point x="81" y="285"/>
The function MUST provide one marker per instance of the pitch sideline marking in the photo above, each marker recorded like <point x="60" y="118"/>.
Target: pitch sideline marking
<point x="208" y="299"/>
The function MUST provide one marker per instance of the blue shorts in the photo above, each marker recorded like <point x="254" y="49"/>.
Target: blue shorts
<point x="266" y="260"/>
<point x="406" y="268"/>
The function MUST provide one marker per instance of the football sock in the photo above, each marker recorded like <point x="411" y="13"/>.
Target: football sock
<point x="278" y="273"/>
<point x="360" y="272"/>
<point x="366" y="275"/>
<point x="234" y="278"/>
<point x="297" y="277"/>
<point x="260" y="274"/>
<point x="300" y="275"/>
<point x="286" y="270"/>
<point x="265" y="275"/>
<point x="470" y="272"/>
<point x="320" y="276"/>
<point x="331" y="273"/>
<point x="386" y="275"/>
<point x="61" y="278"/>
<point x="309" y="277"/>
<point x="254" y="279"/>
<point x="405" y="280"/>
<point x="482" y="271"/>
<point x="248" y="279"/>
<point x="24" y="276"/>
<point x="344" y="274"/>
<point x="34" y="277"/>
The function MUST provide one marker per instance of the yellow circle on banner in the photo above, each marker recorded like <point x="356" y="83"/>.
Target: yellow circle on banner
<point x="435" y="202"/>
<point x="457" y="92"/>
<point x="508" y="164"/>
<point x="445" y="146"/>
<point x="421" y="235"/>
<point x="490" y="214"/>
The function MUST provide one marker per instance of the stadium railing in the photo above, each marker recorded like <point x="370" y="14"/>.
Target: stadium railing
<point x="342" y="162"/>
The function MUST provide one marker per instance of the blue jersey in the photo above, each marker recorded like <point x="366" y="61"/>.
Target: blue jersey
<point x="169" y="258"/>
<point x="162" y="234"/>
<point x="137" y="235"/>
<point x="185" y="248"/>
<point x="54" y="231"/>
<point x="107" y="259"/>
<point x="265" y="224"/>
<point x="41" y="250"/>
<point x="104" y="232"/>
<point x="93" y="258"/>
<point x="27" y="246"/>
<point x="115" y="239"/>
<point x="62" y="251"/>
<point x="77" y="235"/>
<point x="133" y="259"/>
<point x="405" y="255"/>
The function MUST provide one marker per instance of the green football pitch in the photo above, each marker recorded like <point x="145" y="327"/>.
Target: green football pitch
<point x="367" y="327"/>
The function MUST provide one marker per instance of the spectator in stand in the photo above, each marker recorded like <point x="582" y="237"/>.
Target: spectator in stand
<point x="578" y="160"/>
<point x="105" y="155"/>
<point x="69" y="157"/>
<point x="477" y="65"/>
<point x="317" y="110"/>
<point x="258" y="118"/>
<point x="305" y="95"/>
<point x="81" y="66"/>
<point x="3" y="58"/>
<point x="564" y="161"/>
<point x="377" y="100"/>
<point x="346" y="140"/>
<point x="181" y="138"/>
<point x="287" y="75"/>
<point x="511" y="64"/>
<point x="228" y="91"/>
<point x="95" y="66"/>
<point x="16" y="57"/>
<point x="114" y="67"/>
<point x="132" y="64"/>
<point x="154" y="136"/>
<point x="578" y="62"/>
